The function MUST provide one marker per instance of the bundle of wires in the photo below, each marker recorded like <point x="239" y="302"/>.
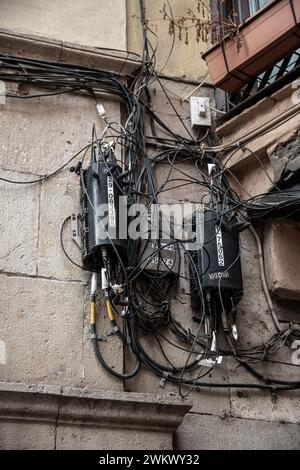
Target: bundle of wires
<point x="149" y="296"/>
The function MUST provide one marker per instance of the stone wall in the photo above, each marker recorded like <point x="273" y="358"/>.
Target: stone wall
<point x="173" y="56"/>
<point x="44" y="334"/>
<point x="89" y="23"/>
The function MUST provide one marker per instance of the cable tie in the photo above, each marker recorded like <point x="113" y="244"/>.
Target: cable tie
<point x="209" y="362"/>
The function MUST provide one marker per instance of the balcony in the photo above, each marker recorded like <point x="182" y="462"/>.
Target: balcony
<point x="267" y="37"/>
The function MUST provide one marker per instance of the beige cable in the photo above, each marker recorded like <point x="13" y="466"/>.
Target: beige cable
<point x="263" y="278"/>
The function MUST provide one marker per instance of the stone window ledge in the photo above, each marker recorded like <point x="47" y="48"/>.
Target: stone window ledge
<point x="41" y="48"/>
<point x="105" y="408"/>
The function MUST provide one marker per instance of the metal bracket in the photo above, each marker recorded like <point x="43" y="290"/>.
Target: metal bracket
<point x="75" y="228"/>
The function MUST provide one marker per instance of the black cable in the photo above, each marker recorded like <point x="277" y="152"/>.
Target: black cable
<point x="103" y="363"/>
<point x="154" y="298"/>
<point x="63" y="246"/>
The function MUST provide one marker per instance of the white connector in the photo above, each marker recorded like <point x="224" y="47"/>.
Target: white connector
<point x="101" y="110"/>
<point x="104" y="280"/>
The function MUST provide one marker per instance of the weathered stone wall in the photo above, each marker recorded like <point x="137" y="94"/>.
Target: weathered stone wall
<point x="43" y="295"/>
<point x="66" y="418"/>
<point x="173" y="56"/>
<point x="44" y="299"/>
<point x="89" y="23"/>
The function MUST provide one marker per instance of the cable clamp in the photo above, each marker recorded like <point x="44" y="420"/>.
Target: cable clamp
<point x="163" y="380"/>
<point x="117" y="288"/>
<point x="209" y="362"/>
<point x="93" y="336"/>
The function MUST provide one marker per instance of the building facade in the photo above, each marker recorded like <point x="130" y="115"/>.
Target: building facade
<point x="53" y="394"/>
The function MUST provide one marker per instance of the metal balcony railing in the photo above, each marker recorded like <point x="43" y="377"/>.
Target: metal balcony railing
<point x="264" y="84"/>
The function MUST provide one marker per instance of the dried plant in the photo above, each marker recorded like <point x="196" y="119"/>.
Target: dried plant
<point x="206" y="27"/>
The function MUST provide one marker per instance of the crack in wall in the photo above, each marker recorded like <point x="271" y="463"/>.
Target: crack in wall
<point x="57" y="419"/>
<point x="34" y="276"/>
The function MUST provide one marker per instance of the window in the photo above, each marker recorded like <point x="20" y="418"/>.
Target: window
<point x="244" y="8"/>
<point x="255" y="5"/>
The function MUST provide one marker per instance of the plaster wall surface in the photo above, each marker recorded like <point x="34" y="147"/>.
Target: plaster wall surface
<point x="89" y="23"/>
<point x="173" y="56"/>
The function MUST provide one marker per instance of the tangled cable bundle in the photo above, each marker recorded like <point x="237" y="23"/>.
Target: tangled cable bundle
<point x="148" y="308"/>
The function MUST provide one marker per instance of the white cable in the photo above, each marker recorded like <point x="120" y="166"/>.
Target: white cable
<point x="263" y="278"/>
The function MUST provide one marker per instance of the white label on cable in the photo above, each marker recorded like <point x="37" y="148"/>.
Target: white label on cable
<point x="219" y="242"/>
<point x="111" y="202"/>
<point x="2" y="353"/>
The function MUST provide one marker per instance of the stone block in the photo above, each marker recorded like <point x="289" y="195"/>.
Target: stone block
<point x="72" y="418"/>
<point x="282" y="259"/>
<point x="89" y="24"/>
<point x="42" y="330"/>
<point x="40" y="135"/>
<point x="22" y="435"/>
<point x="203" y="432"/>
<point x="74" y="438"/>
<point x="59" y="198"/>
<point x="282" y="406"/>
<point x="19" y="224"/>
